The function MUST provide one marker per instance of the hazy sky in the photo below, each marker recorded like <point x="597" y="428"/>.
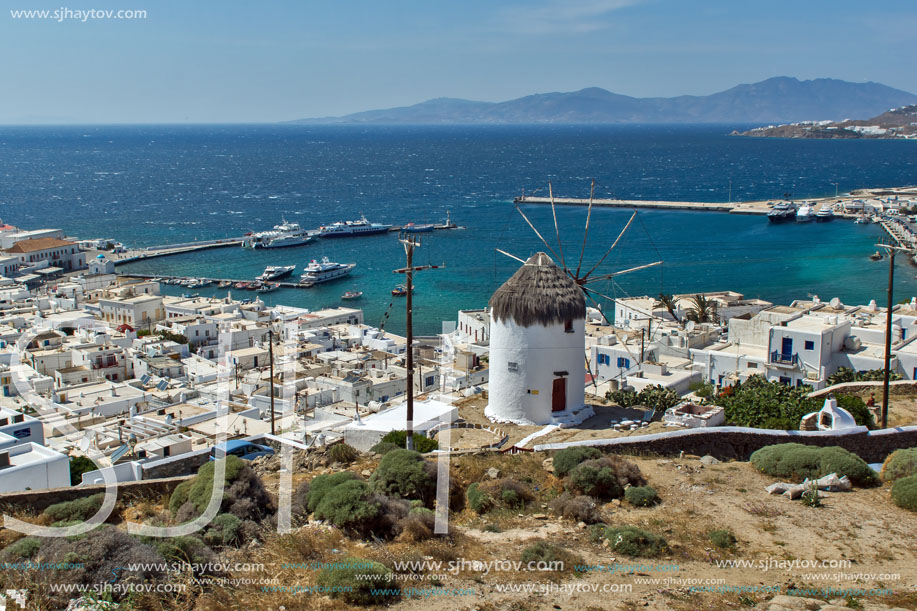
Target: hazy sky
<point x="231" y="61"/>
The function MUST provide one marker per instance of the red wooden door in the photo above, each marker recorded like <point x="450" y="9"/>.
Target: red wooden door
<point x="559" y="395"/>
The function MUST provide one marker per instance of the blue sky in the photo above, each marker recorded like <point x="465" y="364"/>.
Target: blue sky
<point x="231" y="61"/>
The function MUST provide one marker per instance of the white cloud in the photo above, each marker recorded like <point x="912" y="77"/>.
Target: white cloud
<point x="563" y="16"/>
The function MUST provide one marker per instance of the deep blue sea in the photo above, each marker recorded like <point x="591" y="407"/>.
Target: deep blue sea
<point x="152" y="185"/>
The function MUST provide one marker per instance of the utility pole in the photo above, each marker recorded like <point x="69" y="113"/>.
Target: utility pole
<point x="410" y="243"/>
<point x="270" y="349"/>
<point x="891" y="250"/>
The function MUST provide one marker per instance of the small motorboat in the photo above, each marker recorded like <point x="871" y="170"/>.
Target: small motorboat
<point x="401" y="290"/>
<point x="255" y="286"/>
<point x="243" y="285"/>
<point x="412" y="228"/>
<point x="225" y="284"/>
<point x="269" y="287"/>
<point x="876" y="256"/>
<point x="352" y="295"/>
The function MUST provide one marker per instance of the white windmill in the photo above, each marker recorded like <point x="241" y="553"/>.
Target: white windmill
<point x="537" y="333"/>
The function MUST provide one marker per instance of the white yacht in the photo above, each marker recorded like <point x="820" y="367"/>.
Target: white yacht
<point x="274" y="272"/>
<point x="325" y="270"/>
<point x="285" y="234"/>
<point x="824" y="214"/>
<point x="804" y="214"/>
<point x="346" y="229"/>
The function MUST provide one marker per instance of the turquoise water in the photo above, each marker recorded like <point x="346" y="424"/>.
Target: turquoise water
<point x="155" y="185"/>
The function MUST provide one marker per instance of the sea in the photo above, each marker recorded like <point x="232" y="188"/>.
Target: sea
<point x="154" y="185"/>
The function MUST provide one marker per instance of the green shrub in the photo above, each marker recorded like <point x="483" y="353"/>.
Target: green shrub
<point x="349" y="507"/>
<point x="634" y="541"/>
<point x="179" y="496"/>
<point x="478" y="499"/>
<point x="384" y="447"/>
<point x="405" y="474"/>
<point x="641" y="496"/>
<point x="566" y="459"/>
<point x="78" y="510"/>
<point x="223" y="530"/>
<point x="797" y="461"/>
<point x="78" y="466"/>
<point x="596" y="481"/>
<point x="422" y="443"/>
<point x="596" y="532"/>
<point x="759" y="403"/>
<point x="657" y="398"/>
<point x="184" y="548"/>
<point x="723" y="539"/>
<point x="546" y="556"/>
<point x="244" y="495"/>
<point x="23" y="549"/>
<point x="319" y="486"/>
<point x="358" y="581"/>
<point x="578" y="508"/>
<point x="900" y="463"/>
<point x="904" y="493"/>
<point x="343" y="453"/>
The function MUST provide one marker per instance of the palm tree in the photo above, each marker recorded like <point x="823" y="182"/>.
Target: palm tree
<point x="667" y="302"/>
<point x="701" y="310"/>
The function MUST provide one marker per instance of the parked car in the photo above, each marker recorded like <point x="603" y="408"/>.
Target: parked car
<point x="245" y="450"/>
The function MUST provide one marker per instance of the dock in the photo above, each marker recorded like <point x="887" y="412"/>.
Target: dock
<point x="166" y="250"/>
<point x="286" y="285"/>
<point x="757" y="207"/>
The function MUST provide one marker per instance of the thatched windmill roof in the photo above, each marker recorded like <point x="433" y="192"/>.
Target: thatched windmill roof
<point x="538" y="293"/>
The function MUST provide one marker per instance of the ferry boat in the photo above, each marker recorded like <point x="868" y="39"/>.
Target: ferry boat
<point x="412" y="228"/>
<point x="352" y="295"/>
<point x="324" y="271"/>
<point x="346" y="229"/>
<point x="805" y="214"/>
<point x="781" y="213"/>
<point x="824" y="214"/>
<point x="282" y="235"/>
<point x="275" y="272"/>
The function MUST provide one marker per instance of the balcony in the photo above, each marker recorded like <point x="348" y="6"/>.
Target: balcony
<point x="778" y="358"/>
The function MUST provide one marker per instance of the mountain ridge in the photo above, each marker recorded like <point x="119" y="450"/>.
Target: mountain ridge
<point x="777" y="99"/>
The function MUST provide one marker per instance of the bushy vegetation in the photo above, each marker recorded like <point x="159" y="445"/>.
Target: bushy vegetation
<point x="479" y="500"/>
<point x="349" y="506"/>
<point x="547" y="556"/>
<point x="78" y="466"/>
<point x="796" y="462"/>
<point x="578" y="508"/>
<point x="634" y="541"/>
<point x="184" y="548"/>
<point x="566" y="459"/>
<point x="342" y="453"/>
<point x="244" y="495"/>
<point x="510" y="493"/>
<point x="422" y="443"/>
<point x="405" y="474"/>
<point x="77" y="510"/>
<point x="23" y="549"/>
<point x="321" y="484"/>
<point x="704" y="390"/>
<point x="904" y="492"/>
<point x="900" y="463"/>
<point x="771" y="405"/>
<point x="225" y="529"/>
<point x="723" y="538"/>
<point x="657" y="398"/>
<point x="845" y="374"/>
<point x="603" y="478"/>
<point x="384" y="447"/>
<point x="358" y="581"/>
<point x="641" y="496"/>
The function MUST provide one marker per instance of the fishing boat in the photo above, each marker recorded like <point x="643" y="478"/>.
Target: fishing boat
<point x="824" y="214"/>
<point x="274" y="272"/>
<point x="225" y="284"/>
<point x="412" y="228"/>
<point x="876" y="256"/>
<point x="269" y="288"/>
<point x="254" y="286"/>
<point x="204" y="282"/>
<point x="243" y="285"/>
<point x="401" y="290"/>
<point x="352" y="295"/>
<point x="325" y="270"/>
<point x="781" y="213"/>
<point x="346" y="229"/>
<point x="804" y="214"/>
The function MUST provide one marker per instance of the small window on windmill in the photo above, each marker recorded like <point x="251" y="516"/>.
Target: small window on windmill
<point x="568" y="326"/>
<point x="511" y="366"/>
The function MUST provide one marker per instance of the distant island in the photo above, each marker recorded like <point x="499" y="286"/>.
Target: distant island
<point x="897" y="123"/>
<point x="775" y="100"/>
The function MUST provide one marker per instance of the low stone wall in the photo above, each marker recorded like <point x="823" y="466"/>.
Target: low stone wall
<point x="733" y="442"/>
<point x="855" y="386"/>
<point x="38" y="500"/>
